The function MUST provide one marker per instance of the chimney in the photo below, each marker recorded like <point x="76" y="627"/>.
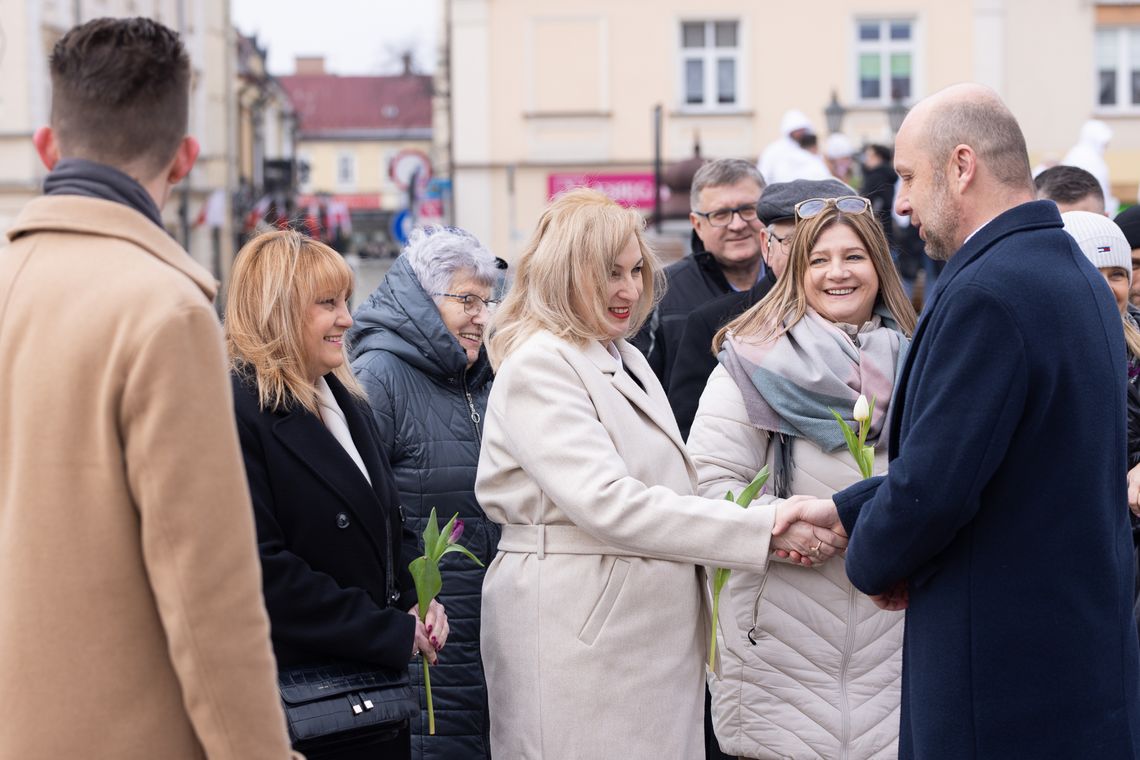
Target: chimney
<point x="406" y="57"/>
<point x="309" y="65"/>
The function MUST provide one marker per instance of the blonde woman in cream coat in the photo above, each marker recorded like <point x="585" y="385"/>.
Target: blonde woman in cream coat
<point x="810" y="667"/>
<point x="595" y="620"/>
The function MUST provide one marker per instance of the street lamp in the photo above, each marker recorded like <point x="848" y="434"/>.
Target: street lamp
<point x="834" y="113"/>
<point x="896" y="112"/>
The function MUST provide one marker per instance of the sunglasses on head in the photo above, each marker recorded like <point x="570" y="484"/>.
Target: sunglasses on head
<point x="847" y="204"/>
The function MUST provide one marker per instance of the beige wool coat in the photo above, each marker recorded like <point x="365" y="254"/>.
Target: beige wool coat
<point x="131" y="619"/>
<point x="595" y="615"/>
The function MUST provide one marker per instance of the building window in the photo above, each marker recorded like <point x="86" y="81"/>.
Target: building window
<point x="710" y="64"/>
<point x="346" y="170"/>
<point x="884" y="60"/>
<point x="1118" y="67"/>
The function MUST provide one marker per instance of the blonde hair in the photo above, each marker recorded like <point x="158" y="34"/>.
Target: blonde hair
<point x="562" y="276"/>
<point x="1131" y="337"/>
<point x="276" y="276"/>
<point x="786" y="303"/>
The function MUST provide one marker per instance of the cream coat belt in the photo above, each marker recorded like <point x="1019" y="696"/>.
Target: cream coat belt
<point x="556" y="539"/>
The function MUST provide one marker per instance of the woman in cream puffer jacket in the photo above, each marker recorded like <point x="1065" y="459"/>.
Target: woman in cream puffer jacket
<point x="809" y="666"/>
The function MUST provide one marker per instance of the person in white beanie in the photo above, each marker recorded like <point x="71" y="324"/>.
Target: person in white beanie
<point x="838" y="153"/>
<point x="1104" y="244"/>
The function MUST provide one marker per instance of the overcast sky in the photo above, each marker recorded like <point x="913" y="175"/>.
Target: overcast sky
<point x="355" y="36"/>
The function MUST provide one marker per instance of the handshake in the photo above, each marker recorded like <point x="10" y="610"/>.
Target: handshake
<point x="807" y="530"/>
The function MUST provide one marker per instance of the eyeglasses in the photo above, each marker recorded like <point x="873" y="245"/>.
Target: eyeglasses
<point x="847" y="204"/>
<point x="473" y="304"/>
<point x="722" y="217"/>
<point x="785" y="240"/>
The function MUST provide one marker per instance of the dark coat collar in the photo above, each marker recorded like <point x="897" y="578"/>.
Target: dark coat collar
<point x="1033" y="215"/>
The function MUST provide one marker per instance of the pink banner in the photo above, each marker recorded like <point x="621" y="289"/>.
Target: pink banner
<point x="633" y="190"/>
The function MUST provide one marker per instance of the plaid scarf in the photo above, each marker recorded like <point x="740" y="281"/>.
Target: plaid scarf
<point x="791" y="384"/>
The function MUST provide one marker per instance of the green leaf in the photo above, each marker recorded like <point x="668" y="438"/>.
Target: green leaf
<point x="431" y="533"/>
<point x="730" y="497"/>
<point x="748" y="495"/>
<point x="441" y="542"/>
<point x="867" y="465"/>
<point x="460" y="548"/>
<point x="848" y="434"/>
<point x="428" y="582"/>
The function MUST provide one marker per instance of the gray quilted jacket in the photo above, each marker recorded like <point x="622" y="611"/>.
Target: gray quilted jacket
<point x="429" y="408"/>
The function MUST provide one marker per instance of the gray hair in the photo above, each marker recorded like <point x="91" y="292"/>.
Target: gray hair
<point x="438" y="254"/>
<point x="723" y="171"/>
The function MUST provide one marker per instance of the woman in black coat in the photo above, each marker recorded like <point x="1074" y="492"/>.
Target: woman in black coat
<point x="334" y="549"/>
<point x="417" y="349"/>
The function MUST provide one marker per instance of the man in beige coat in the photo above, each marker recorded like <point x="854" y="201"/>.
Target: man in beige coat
<point x="131" y="619"/>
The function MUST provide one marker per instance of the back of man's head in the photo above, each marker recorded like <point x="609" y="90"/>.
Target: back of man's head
<point x="723" y="171"/>
<point x="978" y="118"/>
<point x="120" y="93"/>
<point x="1071" y="188"/>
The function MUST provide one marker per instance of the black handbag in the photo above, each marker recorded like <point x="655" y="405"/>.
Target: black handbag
<point x="329" y="707"/>
<point x="337" y="706"/>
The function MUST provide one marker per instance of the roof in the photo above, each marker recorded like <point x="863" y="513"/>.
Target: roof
<point x="341" y="106"/>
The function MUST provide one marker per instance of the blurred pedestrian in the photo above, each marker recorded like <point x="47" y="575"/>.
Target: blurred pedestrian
<point x="132" y="623"/>
<point x="1129" y="222"/>
<point x="333" y="544"/>
<point x="795" y="682"/>
<point x="838" y="154"/>
<point x="417" y="349"/>
<point x="1088" y="154"/>
<point x="1071" y="188"/>
<point x="795" y="155"/>
<point x="595" y="619"/>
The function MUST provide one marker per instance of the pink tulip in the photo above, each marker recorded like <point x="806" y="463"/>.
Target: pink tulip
<point x="456" y="532"/>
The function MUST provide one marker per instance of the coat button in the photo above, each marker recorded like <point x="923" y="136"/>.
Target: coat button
<point x="342" y="520"/>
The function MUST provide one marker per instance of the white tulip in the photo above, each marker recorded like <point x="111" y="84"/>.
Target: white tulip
<point x="862" y="409"/>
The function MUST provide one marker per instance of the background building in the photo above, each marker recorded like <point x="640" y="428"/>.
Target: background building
<point x="199" y="213"/>
<point x="365" y="141"/>
<point x="544" y="94"/>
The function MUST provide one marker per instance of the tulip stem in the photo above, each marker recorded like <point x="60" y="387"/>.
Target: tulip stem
<point x="712" y="642"/>
<point x="427" y="685"/>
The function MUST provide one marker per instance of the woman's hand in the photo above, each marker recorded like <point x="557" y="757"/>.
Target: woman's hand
<point x="1134" y="490"/>
<point x="431" y="634"/>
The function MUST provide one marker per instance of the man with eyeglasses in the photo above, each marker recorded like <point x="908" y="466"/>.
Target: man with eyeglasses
<point x="695" y="361"/>
<point x="726" y="255"/>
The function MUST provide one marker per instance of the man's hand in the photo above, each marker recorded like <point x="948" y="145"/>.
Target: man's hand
<point x="1134" y="490"/>
<point x="893" y="599"/>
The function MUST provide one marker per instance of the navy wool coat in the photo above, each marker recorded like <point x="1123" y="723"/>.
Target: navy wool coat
<point x="1005" y="508"/>
<point x="428" y="407"/>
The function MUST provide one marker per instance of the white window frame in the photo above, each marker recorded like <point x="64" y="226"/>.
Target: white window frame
<point x="344" y="182"/>
<point x="1123" y="34"/>
<point x="709" y="55"/>
<point x="885" y="47"/>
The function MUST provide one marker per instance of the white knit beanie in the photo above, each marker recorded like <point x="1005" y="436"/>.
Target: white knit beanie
<point x="1100" y="239"/>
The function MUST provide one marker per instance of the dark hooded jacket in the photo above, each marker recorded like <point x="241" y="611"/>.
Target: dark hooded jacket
<point x="429" y="407"/>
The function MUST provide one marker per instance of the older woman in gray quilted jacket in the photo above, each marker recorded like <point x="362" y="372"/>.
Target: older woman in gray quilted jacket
<point x="417" y="348"/>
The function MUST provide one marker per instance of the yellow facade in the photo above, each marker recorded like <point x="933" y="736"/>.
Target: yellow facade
<point x="369" y="161"/>
<point x="544" y="87"/>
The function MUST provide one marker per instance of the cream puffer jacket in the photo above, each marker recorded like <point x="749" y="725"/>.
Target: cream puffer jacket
<point x="822" y="679"/>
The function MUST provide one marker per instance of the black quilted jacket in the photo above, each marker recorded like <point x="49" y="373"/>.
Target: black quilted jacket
<point x="429" y="408"/>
